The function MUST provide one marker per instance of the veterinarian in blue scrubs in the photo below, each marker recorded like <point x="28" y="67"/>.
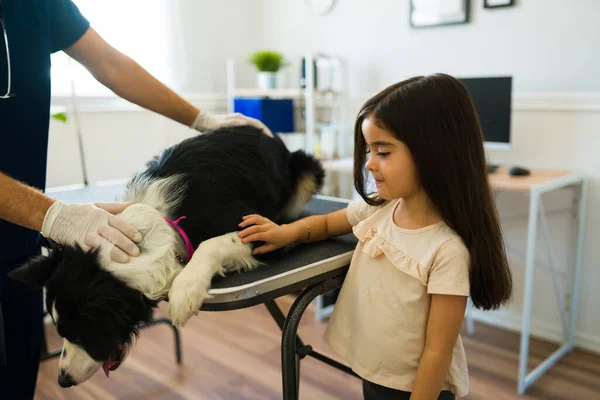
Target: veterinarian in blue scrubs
<point x="35" y="29"/>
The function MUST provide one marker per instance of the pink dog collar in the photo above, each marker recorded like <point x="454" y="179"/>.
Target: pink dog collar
<point x="188" y="245"/>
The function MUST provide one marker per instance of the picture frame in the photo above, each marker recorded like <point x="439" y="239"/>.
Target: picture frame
<point x="430" y="13"/>
<point x="498" y="3"/>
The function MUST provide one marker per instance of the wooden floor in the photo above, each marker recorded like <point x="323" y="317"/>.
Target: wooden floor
<point x="235" y="355"/>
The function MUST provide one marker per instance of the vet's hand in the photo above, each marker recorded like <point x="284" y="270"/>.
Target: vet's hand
<point x="259" y="228"/>
<point x="208" y="122"/>
<point x="90" y="225"/>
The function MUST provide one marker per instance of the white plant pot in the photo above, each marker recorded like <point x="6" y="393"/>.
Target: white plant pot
<point x="267" y="80"/>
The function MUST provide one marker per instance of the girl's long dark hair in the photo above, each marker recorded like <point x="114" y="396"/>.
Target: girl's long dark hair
<point x="435" y="118"/>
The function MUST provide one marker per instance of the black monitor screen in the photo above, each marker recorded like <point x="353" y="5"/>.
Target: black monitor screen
<point x="492" y="100"/>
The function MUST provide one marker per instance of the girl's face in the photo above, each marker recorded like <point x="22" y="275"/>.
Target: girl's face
<point x="390" y="163"/>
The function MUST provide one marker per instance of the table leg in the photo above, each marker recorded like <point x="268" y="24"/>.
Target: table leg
<point x="176" y="335"/>
<point x="582" y="192"/>
<point x="528" y="294"/>
<point x="290" y="359"/>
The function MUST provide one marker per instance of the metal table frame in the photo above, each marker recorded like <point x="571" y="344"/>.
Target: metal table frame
<point x="48" y="354"/>
<point x="568" y="309"/>
<point x="567" y="302"/>
<point x="313" y="279"/>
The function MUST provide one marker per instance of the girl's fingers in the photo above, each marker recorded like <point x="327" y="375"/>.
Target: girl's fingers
<point x="251" y="230"/>
<point x="246" y="222"/>
<point x="260" y="236"/>
<point x="257" y="217"/>
<point x="265" y="248"/>
<point x="252" y="220"/>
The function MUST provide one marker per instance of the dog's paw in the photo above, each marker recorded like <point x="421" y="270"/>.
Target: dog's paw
<point x="185" y="299"/>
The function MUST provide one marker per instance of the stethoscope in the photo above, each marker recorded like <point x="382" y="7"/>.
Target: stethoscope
<point x="8" y="94"/>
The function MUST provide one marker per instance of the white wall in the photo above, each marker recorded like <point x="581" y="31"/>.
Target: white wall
<point x="548" y="46"/>
<point x="207" y="33"/>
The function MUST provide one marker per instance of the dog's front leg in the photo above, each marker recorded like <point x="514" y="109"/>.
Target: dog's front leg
<point x="213" y="256"/>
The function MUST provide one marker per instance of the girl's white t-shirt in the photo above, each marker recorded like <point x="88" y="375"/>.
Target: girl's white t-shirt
<point x="379" y="321"/>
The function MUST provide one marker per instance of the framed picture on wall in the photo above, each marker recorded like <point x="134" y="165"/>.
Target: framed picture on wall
<point x="498" y="3"/>
<point x="427" y="13"/>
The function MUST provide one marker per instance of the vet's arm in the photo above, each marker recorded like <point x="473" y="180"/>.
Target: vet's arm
<point x="21" y="204"/>
<point x="26" y="206"/>
<point x="446" y="314"/>
<point x="310" y="229"/>
<point x="128" y="79"/>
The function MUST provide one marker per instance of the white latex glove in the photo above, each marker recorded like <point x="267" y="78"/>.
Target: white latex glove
<point x="208" y="122"/>
<point x="90" y="225"/>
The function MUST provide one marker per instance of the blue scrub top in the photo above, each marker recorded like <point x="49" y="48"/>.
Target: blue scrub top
<point x="35" y="29"/>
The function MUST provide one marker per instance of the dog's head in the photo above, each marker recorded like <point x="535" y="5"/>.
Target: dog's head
<point x="95" y="313"/>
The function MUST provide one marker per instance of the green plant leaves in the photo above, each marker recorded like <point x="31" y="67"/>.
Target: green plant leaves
<point x="61" y="116"/>
<point x="267" y="60"/>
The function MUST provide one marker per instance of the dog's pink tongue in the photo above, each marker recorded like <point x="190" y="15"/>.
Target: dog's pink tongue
<point x="108" y="365"/>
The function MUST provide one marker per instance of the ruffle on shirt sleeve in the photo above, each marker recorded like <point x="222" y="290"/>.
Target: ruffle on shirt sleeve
<point x="374" y="245"/>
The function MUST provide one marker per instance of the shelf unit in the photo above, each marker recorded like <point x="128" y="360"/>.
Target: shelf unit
<point x="309" y="100"/>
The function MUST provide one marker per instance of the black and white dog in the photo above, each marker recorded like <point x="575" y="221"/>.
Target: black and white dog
<point x="188" y="202"/>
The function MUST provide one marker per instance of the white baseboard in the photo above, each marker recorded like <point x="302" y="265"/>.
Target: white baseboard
<point x="539" y="329"/>
<point x="534" y="101"/>
<point x="95" y="104"/>
<point x="522" y="101"/>
<point x="573" y="101"/>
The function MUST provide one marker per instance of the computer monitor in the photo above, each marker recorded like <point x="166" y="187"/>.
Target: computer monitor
<point x="492" y="99"/>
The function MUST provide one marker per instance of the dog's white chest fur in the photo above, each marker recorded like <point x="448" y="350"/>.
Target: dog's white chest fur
<point x="153" y="271"/>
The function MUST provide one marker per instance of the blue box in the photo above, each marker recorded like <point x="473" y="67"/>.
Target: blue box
<point x="277" y="114"/>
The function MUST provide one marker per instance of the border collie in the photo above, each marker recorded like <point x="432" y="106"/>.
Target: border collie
<point x="188" y="202"/>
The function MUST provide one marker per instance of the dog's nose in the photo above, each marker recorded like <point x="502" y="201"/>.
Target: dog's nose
<point x="65" y="380"/>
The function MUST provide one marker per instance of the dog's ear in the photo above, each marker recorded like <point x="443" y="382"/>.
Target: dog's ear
<point x="50" y="244"/>
<point x="38" y="270"/>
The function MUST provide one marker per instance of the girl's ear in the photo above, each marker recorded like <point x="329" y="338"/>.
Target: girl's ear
<point x="38" y="270"/>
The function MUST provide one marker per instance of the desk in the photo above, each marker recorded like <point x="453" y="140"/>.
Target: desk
<point x="535" y="185"/>
<point x="315" y="268"/>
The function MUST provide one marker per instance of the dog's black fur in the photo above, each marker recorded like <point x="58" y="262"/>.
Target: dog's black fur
<point x="228" y="174"/>
<point x="96" y="309"/>
<point x="222" y="176"/>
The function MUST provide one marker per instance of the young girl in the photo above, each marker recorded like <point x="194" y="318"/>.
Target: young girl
<point x="428" y="239"/>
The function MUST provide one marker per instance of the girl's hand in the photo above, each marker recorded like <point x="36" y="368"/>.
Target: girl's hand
<point x="259" y="228"/>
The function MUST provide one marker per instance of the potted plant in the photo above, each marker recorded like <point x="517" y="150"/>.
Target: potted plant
<point x="267" y="63"/>
<point x="59" y="116"/>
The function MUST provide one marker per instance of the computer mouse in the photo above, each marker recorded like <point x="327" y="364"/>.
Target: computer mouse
<point x="518" y="171"/>
<point x="491" y="168"/>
